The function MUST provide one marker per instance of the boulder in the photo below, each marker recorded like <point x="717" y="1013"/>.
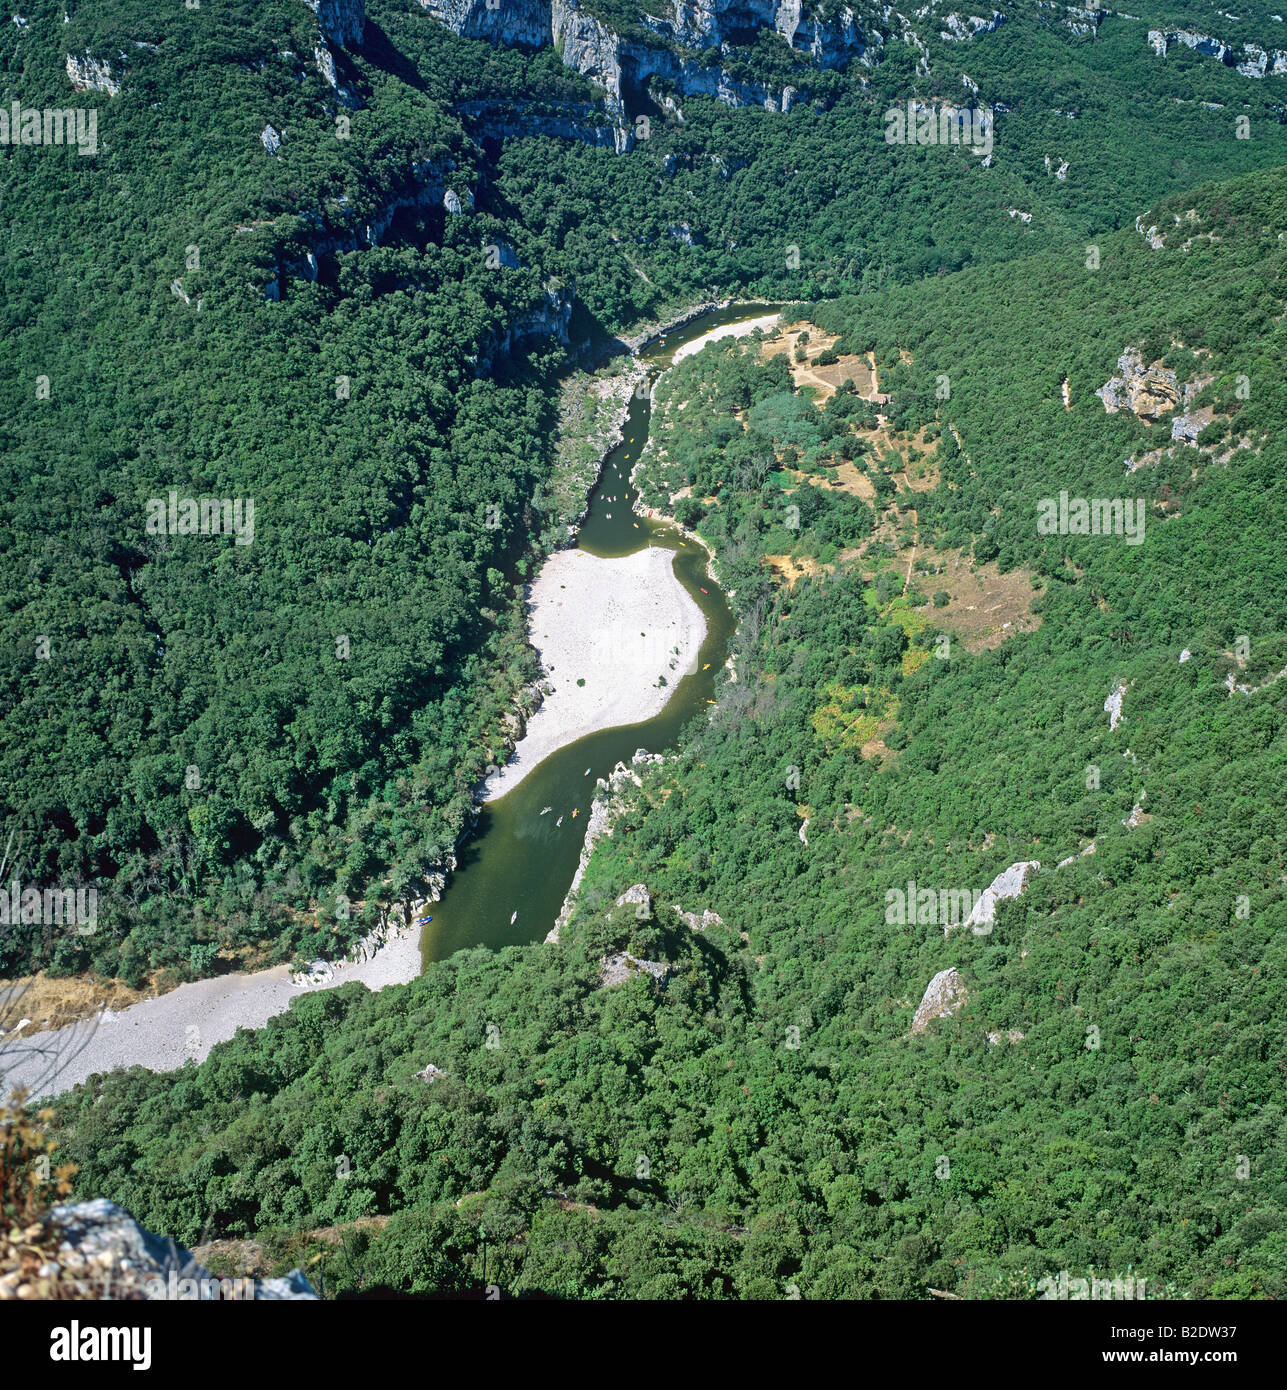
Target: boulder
<point x="637" y="894"/>
<point x="618" y="969"/>
<point x="102" y="1252"/>
<point x="1009" y="883"/>
<point x="944" y="995"/>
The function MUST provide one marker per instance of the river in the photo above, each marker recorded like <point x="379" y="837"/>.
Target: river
<point x="517" y="860"/>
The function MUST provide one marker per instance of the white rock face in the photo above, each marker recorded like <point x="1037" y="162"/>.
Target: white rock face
<point x="958" y="30"/>
<point x="622" y="967"/>
<point x="944" y="996"/>
<point x="272" y="141"/>
<point x="318" y="973"/>
<point x="1009" y="883"/>
<point x="637" y="894"/>
<point x="1256" y="62"/>
<point x="696" y="923"/>
<point x="1113" y="706"/>
<point x="599" y="54"/>
<point x="89" y="74"/>
<point x="341" y="21"/>
<point x="606" y="805"/>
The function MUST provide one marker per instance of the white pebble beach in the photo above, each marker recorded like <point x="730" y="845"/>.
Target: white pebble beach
<point x="615" y="624"/>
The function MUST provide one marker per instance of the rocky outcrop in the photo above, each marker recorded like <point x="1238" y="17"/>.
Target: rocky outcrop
<point x="698" y="923"/>
<point x="1113" y="706"/>
<point x="270" y="139"/>
<point x="1256" y="61"/>
<point x="552" y="318"/>
<point x="960" y="30"/>
<point x="1009" y="883"/>
<point x="1146" y="391"/>
<point x="623" y="966"/>
<point x="944" y="995"/>
<point x="342" y="22"/>
<point x="521" y="23"/>
<point x="621" y="65"/>
<point x="90" y="74"/>
<point x="1186" y="428"/>
<point x="1082" y="20"/>
<point x="607" y="803"/>
<point x="831" y="42"/>
<point x="97" y="1250"/>
<point x="1150" y="234"/>
<point x="1073" y="858"/>
<point x="638" y="895"/>
<point x="569" y="120"/>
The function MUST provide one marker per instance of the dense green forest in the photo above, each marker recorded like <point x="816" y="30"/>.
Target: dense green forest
<point x="1108" y="1100"/>
<point x="228" y="739"/>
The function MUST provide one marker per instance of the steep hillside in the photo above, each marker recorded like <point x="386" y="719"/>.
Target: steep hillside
<point x="849" y="1070"/>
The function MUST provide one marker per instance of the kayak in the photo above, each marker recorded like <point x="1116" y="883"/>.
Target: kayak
<point x="513" y="919"/>
<point x="559" y="821"/>
<point x="575" y="814"/>
<point x="546" y="810"/>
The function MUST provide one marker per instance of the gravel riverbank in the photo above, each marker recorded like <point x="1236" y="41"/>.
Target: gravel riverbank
<point x="613" y="624"/>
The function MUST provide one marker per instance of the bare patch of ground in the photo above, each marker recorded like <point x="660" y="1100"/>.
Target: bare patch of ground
<point x="784" y="567"/>
<point x="824" y="380"/>
<point x="985" y="607"/>
<point x="50" y="1002"/>
<point x="843" y="478"/>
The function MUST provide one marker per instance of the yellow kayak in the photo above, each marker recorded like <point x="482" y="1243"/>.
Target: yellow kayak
<point x="575" y="814"/>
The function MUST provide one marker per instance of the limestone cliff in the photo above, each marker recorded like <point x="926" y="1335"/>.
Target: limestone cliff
<point x="1256" y="61"/>
<point x="342" y="22"/>
<point x="90" y="74"/>
<point x="675" y="55"/>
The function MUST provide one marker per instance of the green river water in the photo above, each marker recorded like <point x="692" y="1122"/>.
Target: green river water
<point x="517" y="860"/>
